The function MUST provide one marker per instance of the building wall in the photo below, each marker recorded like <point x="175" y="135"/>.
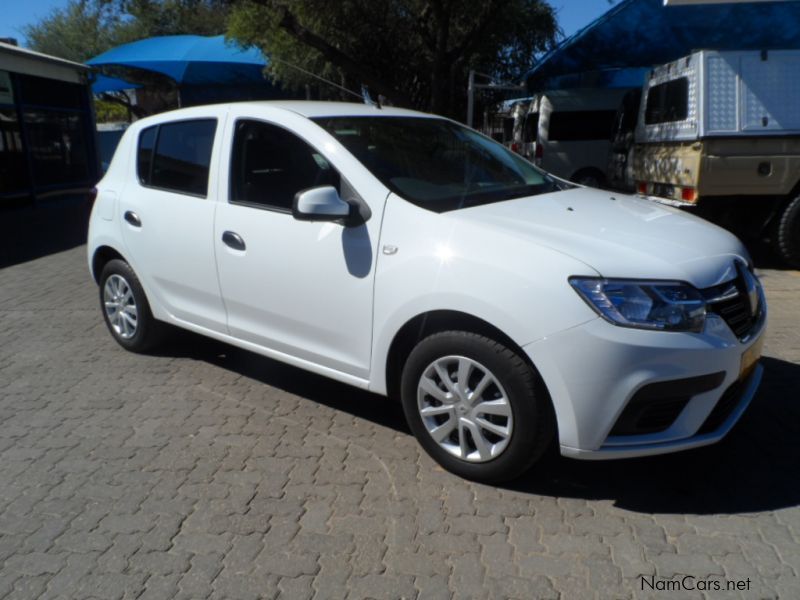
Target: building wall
<point x="47" y="140"/>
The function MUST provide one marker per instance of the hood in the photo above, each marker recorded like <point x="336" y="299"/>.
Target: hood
<point x="618" y="235"/>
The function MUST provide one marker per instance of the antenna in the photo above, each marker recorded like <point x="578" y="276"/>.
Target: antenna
<point x="368" y="99"/>
<point x="365" y="98"/>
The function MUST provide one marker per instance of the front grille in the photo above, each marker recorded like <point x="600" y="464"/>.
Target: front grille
<point x="736" y="314"/>
<point x="655" y="406"/>
<point x="725" y="406"/>
<point x="731" y="302"/>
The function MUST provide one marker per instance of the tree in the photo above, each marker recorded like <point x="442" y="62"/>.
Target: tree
<point x="85" y="28"/>
<point x="79" y="31"/>
<point x="417" y="53"/>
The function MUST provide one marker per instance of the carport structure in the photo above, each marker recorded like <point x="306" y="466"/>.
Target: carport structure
<point x="202" y="69"/>
<point x="617" y="49"/>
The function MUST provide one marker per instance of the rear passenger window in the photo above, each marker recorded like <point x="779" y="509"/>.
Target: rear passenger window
<point x="181" y="158"/>
<point x="270" y="165"/>
<point x="578" y="125"/>
<point x="667" y="102"/>
<point x="144" y="156"/>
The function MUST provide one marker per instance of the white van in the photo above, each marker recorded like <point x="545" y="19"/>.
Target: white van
<point x="568" y="132"/>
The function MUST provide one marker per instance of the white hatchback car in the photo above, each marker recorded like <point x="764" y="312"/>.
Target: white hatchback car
<point x="408" y="255"/>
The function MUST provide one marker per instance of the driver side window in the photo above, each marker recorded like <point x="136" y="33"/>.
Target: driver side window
<point x="270" y="165"/>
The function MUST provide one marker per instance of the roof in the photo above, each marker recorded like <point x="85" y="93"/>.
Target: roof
<point x="644" y="33"/>
<point x="29" y="62"/>
<point x="32" y="54"/>
<point x="307" y="108"/>
<point x="312" y="109"/>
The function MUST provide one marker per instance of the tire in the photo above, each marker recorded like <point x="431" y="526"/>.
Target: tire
<point x="125" y="309"/>
<point x="590" y="178"/>
<point x="515" y="390"/>
<point x="787" y="238"/>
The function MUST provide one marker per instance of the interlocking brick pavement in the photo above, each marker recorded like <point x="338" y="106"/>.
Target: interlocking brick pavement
<point x="209" y="472"/>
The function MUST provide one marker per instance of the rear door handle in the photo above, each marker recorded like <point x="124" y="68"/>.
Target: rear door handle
<point x="132" y="218"/>
<point x="233" y="240"/>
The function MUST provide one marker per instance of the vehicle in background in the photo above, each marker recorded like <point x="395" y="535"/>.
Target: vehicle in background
<point x="721" y="131"/>
<point x="567" y="132"/>
<point x="620" y="157"/>
<point x="518" y="113"/>
<point x="503" y="125"/>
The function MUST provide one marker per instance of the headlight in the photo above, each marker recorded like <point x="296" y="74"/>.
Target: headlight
<point x="660" y="305"/>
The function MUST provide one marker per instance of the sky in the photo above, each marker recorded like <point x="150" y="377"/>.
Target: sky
<point x="572" y="14"/>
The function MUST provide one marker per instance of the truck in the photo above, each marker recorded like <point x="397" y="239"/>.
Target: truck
<point x="720" y="131"/>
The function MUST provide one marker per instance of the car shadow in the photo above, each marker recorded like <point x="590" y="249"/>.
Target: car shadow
<point x="322" y="390"/>
<point x="755" y="468"/>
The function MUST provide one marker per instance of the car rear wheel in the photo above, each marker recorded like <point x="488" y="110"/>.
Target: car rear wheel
<point x="787" y="238"/>
<point x="476" y="406"/>
<point x="126" y="310"/>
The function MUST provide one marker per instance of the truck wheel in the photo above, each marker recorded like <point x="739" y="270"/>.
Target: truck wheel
<point x="589" y="178"/>
<point x="787" y="239"/>
<point x="475" y="406"/>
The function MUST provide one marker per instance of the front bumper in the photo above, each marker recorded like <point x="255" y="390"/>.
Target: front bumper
<point x="594" y="370"/>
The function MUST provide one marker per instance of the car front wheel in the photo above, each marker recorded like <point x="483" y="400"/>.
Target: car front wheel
<point x="126" y="310"/>
<point x="476" y="406"/>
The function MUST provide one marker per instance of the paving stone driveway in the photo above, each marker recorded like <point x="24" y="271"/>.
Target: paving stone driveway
<point x="211" y="472"/>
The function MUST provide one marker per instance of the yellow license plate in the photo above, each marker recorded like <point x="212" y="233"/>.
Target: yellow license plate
<point x="750" y="358"/>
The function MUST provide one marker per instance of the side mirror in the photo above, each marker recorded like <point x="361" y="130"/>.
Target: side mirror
<point x="320" y="204"/>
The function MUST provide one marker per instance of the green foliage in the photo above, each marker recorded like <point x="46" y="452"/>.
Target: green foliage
<point x="110" y="112"/>
<point x="415" y="52"/>
<point x="85" y="28"/>
<point x="80" y="30"/>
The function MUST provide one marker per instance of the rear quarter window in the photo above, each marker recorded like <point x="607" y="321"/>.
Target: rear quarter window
<point x="144" y="153"/>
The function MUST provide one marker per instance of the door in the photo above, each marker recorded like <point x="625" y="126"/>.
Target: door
<point x="303" y="289"/>
<point x="168" y="220"/>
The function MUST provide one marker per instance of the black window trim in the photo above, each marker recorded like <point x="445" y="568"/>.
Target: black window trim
<point x="157" y="126"/>
<point x="268" y="207"/>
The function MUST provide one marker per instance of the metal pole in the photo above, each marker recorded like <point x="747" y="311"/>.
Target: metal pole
<point x="470" y="97"/>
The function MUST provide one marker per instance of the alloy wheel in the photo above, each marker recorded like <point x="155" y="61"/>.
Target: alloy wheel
<point x="465" y="409"/>
<point x="120" y="306"/>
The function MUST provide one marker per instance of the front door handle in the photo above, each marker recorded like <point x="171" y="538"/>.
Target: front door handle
<point x="132" y="218"/>
<point x="233" y="240"/>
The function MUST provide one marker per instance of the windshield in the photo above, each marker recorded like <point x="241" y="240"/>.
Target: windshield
<point x="437" y="164"/>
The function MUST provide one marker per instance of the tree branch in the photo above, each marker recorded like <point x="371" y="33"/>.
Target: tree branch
<point x="118" y="99"/>
<point x="289" y="22"/>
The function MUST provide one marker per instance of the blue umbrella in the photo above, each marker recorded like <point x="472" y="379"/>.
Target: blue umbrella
<point x="188" y="60"/>
<point x="102" y="84"/>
